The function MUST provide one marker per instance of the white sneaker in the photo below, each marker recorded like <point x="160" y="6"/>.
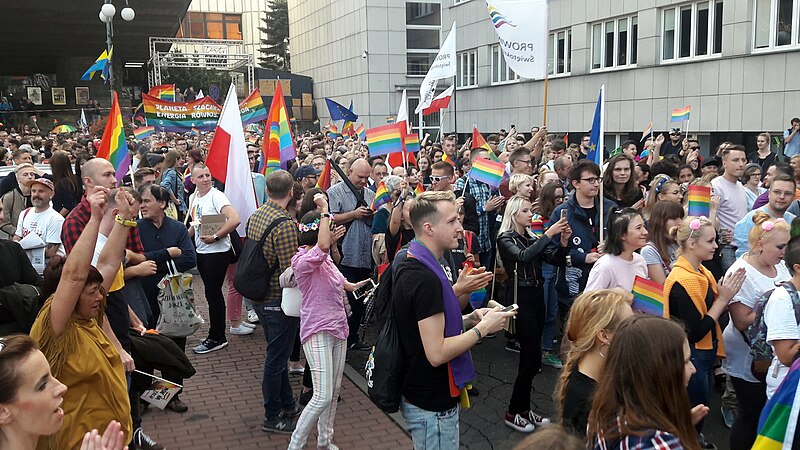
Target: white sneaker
<point x="240" y="330"/>
<point x="537" y="420"/>
<point x="252" y="317"/>
<point x="247" y="324"/>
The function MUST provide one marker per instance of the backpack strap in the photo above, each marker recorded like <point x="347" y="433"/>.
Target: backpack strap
<point x="789" y="286"/>
<point x="269" y="229"/>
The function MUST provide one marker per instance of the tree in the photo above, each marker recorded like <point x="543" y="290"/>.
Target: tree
<point x="184" y="77"/>
<point x="275" y="48"/>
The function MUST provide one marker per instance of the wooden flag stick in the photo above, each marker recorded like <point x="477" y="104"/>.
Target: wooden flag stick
<point x="544" y="119"/>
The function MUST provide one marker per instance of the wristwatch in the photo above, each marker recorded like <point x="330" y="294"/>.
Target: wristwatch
<point x="216" y="238"/>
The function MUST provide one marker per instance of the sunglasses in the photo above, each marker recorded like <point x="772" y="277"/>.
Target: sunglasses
<point x="436" y="179"/>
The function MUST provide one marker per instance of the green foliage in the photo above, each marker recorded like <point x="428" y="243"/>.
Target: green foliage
<point x="275" y="48"/>
<point x="184" y="77"/>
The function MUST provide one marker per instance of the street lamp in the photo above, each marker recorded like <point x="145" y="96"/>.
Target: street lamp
<point x="107" y="12"/>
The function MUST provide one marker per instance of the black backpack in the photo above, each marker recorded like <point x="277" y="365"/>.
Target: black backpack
<point x="254" y="273"/>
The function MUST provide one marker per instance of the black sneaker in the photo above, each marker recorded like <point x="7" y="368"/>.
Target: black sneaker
<point x="513" y="346"/>
<point x="358" y="345"/>
<point x="145" y="442"/>
<point x="281" y="425"/>
<point x="292" y="413"/>
<point x="210" y="345"/>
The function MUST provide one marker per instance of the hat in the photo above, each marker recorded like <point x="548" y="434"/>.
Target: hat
<point x="44" y="181"/>
<point x="675" y="131"/>
<point x="26" y="147"/>
<point x="711" y="162"/>
<point x="304" y="171"/>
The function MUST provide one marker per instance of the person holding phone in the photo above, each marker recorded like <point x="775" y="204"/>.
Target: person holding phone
<point x="522" y="253"/>
<point x="791" y="144"/>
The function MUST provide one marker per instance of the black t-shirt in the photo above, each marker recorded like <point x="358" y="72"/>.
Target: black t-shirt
<point x="578" y="402"/>
<point x="460" y="253"/>
<point x="671" y="149"/>
<point x="591" y="214"/>
<point x="390" y="239"/>
<point x="426" y="387"/>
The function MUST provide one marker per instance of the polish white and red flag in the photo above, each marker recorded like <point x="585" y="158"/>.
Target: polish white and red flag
<point x="441" y="101"/>
<point x="227" y="160"/>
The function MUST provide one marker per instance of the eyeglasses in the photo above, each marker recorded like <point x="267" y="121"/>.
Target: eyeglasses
<point x="559" y="198"/>
<point x="756" y="174"/>
<point x="782" y="193"/>
<point x="436" y="179"/>
<point x="527" y="162"/>
<point x="593" y="180"/>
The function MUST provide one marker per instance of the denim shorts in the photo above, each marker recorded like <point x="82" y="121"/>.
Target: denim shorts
<point x="431" y="430"/>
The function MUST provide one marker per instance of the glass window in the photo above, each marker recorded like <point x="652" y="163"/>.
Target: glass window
<point x="423" y="14"/>
<point x="597" y="50"/>
<point x="783" y="33"/>
<point x="701" y="43"/>
<point x="609" y="45"/>
<point x="614" y="43"/>
<point x="622" y="55"/>
<point x="569" y="49"/>
<point x="551" y="56"/>
<point x="762" y="23"/>
<point x="558" y="52"/>
<point x="501" y="73"/>
<point x="685" y="43"/>
<point x="467" y="68"/>
<point x="692" y="30"/>
<point x="214" y="30"/>
<point x="718" y="27"/>
<point x="561" y="51"/>
<point x="419" y="63"/>
<point x="634" y="39"/>
<point x="422" y="39"/>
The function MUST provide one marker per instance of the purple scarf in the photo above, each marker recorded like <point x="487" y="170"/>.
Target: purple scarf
<point x="461" y="366"/>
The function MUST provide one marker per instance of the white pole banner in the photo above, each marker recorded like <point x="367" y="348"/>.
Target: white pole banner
<point x="522" y="28"/>
<point x="443" y="66"/>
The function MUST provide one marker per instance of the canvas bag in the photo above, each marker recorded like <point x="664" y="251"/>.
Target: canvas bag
<point x="179" y="317"/>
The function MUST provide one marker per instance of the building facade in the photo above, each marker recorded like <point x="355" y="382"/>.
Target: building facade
<point x="732" y="61"/>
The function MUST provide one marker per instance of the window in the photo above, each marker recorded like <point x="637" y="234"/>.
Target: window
<point x="775" y="24"/>
<point x="212" y="26"/>
<point x="501" y="73"/>
<point x="559" y="58"/>
<point x="430" y="122"/>
<point x="423" y="30"/>
<point x="467" y="69"/>
<point x="614" y="43"/>
<point x="693" y="30"/>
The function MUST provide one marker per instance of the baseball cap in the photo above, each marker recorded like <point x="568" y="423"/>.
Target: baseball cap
<point x="45" y="182"/>
<point x="304" y="171"/>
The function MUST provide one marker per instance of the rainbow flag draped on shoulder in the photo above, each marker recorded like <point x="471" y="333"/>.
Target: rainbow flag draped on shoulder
<point x="252" y="108"/>
<point x="113" y="147"/>
<point x="778" y="423"/>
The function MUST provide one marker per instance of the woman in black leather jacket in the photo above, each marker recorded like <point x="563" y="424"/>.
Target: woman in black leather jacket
<point x="522" y="254"/>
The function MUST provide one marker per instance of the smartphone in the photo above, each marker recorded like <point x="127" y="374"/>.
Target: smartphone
<point x="563" y="213"/>
<point x="508" y="308"/>
<point x="364" y="290"/>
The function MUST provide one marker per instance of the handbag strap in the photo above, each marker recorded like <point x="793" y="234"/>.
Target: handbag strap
<point x="172" y="268"/>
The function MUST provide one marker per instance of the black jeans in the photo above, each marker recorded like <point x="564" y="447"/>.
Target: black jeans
<point x="750" y="398"/>
<point x="530" y="322"/>
<point x="354" y="275"/>
<point x="212" y="268"/>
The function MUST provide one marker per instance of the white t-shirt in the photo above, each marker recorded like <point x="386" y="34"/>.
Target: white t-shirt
<point x="781" y="325"/>
<point x="614" y="272"/>
<point x="733" y="202"/>
<point x="211" y="203"/>
<point x="46" y="225"/>
<point x="738" y="361"/>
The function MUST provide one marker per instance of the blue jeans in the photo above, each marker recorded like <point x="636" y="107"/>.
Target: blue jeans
<point x="431" y="430"/>
<point x="279" y="330"/>
<point x="701" y="382"/>
<point x="550" y="306"/>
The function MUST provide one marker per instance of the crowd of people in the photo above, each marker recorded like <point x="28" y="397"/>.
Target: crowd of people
<point x="562" y="239"/>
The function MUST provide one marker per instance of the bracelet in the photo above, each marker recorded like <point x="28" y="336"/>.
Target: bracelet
<point x="125" y="222"/>
<point x="325" y="215"/>
<point x="477" y="332"/>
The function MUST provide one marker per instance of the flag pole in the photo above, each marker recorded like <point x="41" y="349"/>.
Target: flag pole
<point x="455" y="111"/>
<point x="544" y="119"/>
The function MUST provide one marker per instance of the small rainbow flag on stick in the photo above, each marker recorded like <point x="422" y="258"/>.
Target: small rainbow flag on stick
<point x="386" y="139"/>
<point x="333" y="130"/>
<point x="252" y="108"/>
<point x="113" y="146"/>
<point x="647" y="131"/>
<point x="381" y="196"/>
<point x="648" y="297"/>
<point x="419" y="189"/>
<point x="324" y="179"/>
<point x="699" y="200"/>
<point x="448" y="160"/>
<point x="778" y="422"/>
<point x="681" y="114"/>
<point x="361" y="132"/>
<point x="411" y="142"/>
<point x="143" y="132"/>
<point x="487" y="171"/>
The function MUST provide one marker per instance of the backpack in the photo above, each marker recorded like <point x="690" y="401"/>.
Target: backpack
<point x="756" y="334"/>
<point x="254" y="273"/>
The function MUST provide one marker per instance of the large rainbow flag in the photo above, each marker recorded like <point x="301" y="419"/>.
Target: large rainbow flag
<point x="279" y="143"/>
<point x="386" y="139"/>
<point x="252" y="108"/>
<point x="699" y="200"/>
<point x="487" y="171"/>
<point x="648" y="297"/>
<point x="113" y="146"/>
<point x="163" y="92"/>
<point x="778" y="422"/>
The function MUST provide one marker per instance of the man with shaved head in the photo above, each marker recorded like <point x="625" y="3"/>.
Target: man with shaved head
<point x="350" y="203"/>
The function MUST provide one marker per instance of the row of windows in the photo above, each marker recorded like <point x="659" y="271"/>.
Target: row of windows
<point x="200" y="25"/>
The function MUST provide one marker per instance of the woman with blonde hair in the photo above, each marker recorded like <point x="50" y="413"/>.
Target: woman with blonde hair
<point x="593" y="320"/>
<point x="763" y="156"/>
<point x="662" y="188"/>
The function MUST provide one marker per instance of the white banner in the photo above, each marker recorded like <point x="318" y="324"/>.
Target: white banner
<point x="443" y="66"/>
<point x="522" y="28"/>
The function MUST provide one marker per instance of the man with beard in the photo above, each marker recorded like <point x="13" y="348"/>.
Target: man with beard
<point x="42" y="221"/>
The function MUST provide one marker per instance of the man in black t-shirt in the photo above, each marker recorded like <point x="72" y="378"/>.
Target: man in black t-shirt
<point x="419" y="309"/>
<point x="675" y="143"/>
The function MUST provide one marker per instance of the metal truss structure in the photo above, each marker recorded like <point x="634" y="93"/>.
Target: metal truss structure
<point x="217" y="54"/>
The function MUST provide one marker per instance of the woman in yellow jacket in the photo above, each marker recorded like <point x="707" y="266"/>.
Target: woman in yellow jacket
<point x="697" y="301"/>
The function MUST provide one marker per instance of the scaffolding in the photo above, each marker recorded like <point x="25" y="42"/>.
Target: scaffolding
<point x="217" y="54"/>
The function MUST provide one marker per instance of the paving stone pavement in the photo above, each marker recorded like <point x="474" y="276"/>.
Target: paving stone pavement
<point x="225" y="402"/>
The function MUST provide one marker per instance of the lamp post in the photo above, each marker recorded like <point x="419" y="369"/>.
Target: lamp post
<point x="107" y="12"/>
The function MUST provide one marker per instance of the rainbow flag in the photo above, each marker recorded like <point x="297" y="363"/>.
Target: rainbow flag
<point x="381" y="196"/>
<point x="539" y="225"/>
<point x="252" y="108"/>
<point x="361" y="132"/>
<point x="681" y="114"/>
<point x="411" y="142"/>
<point x="333" y="131"/>
<point x="386" y="139"/>
<point x="348" y="129"/>
<point x="419" y="189"/>
<point x="648" y="297"/>
<point x="113" y="146"/>
<point x="647" y="131"/>
<point x="194" y="132"/>
<point x="699" y="200"/>
<point x="279" y="142"/>
<point x="324" y="179"/>
<point x="447" y="159"/>
<point x="487" y="171"/>
<point x="478" y="142"/>
<point x="143" y="132"/>
<point x="163" y="92"/>
<point x="778" y="422"/>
